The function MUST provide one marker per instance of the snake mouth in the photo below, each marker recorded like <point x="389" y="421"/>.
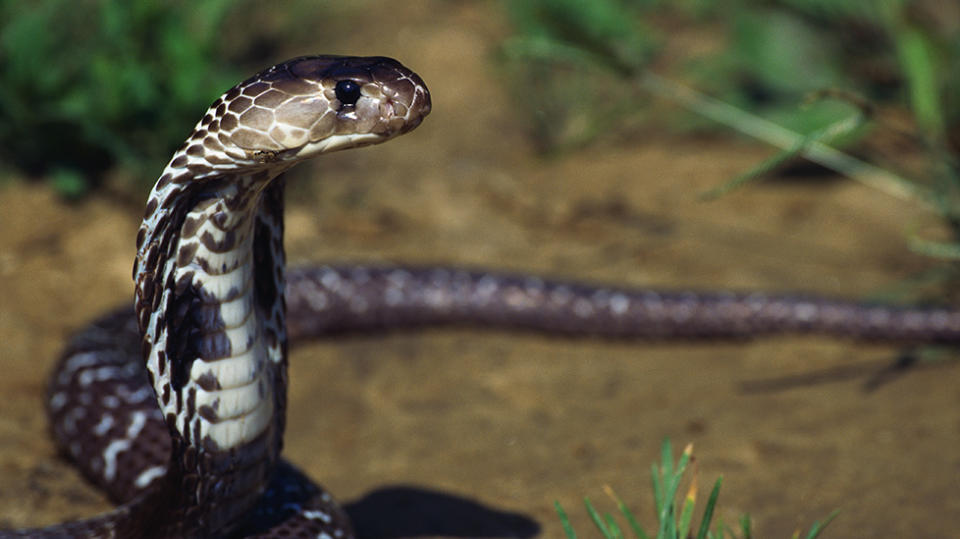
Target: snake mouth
<point x="418" y="110"/>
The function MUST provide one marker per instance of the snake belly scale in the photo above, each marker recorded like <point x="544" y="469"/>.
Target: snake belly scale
<point x="176" y="408"/>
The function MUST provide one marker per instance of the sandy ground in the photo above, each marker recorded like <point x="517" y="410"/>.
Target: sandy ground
<point x="510" y="421"/>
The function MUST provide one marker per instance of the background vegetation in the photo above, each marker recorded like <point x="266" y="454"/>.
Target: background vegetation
<point x="877" y="79"/>
<point x="114" y="84"/>
<point x="96" y="86"/>
<point x="88" y="88"/>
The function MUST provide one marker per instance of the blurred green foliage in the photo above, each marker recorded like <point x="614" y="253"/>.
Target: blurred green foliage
<point x="589" y="71"/>
<point x="771" y="54"/>
<point x="88" y="85"/>
<point x="568" y="59"/>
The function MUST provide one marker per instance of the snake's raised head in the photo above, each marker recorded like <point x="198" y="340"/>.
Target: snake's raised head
<point x="308" y="106"/>
<point x="210" y="266"/>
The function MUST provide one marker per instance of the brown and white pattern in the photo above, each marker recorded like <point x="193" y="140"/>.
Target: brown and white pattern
<point x="210" y="312"/>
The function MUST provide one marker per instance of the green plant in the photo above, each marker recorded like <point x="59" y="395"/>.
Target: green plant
<point x="568" y="59"/>
<point x="774" y="54"/>
<point x="87" y="86"/>
<point x="585" y="70"/>
<point x="673" y="521"/>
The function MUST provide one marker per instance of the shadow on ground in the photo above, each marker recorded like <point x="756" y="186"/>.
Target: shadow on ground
<point x="409" y="511"/>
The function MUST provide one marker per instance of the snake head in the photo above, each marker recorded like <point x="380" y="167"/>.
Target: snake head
<point x="307" y="106"/>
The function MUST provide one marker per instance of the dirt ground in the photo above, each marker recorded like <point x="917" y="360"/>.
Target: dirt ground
<point x="513" y="422"/>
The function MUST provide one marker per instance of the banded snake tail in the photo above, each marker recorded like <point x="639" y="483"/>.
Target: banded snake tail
<point x="176" y="408"/>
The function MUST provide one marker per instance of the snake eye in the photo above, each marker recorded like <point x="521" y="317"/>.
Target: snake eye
<point x="348" y="92"/>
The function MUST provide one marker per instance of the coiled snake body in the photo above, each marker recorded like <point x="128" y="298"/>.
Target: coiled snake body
<point x="176" y="409"/>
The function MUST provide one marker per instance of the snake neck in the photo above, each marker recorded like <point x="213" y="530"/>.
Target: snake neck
<point x="210" y="306"/>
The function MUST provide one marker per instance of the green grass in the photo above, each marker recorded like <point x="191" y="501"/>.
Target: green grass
<point x="85" y="88"/>
<point x="674" y="514"/>
<point x="594" y="71"/>
<point x="773" y="55"/>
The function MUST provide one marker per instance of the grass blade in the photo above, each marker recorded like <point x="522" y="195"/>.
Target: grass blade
<point x="627" y="514"/>
<point x="745" y="526"/>
<point x="818" y="526"/>
<point x="708" y="510"/>
<point x="615" y="531"/>
<point x="657" y="488"/>
<point x="686" y="516"/>
<point x="564" y="521"/>
<point x="781" y="137"/>
<point x="597" y="519"/>
<point x="666" y="460"/>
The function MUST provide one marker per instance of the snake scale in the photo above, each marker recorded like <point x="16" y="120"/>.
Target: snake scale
<point x="176" y="407"/>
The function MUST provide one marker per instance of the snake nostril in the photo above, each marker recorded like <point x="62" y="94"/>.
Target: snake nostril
<point x="348" y="92"/>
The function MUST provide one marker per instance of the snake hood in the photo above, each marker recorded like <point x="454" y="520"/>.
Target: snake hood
<point x="210" y="266"/>
<point x="285" y="114"/>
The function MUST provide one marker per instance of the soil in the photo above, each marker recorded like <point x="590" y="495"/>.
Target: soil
<point x="485" y="430"/>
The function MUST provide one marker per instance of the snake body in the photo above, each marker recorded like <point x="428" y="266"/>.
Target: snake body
<point x="176" y="408"/>
<point x="210" y="315"/>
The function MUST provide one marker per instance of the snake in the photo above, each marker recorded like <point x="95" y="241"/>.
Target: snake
<point x="175" y="406"/>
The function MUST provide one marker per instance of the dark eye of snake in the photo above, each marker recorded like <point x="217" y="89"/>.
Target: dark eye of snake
<point x="348" y="92"/>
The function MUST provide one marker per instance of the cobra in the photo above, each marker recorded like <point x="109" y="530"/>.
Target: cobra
<point x="210" y="314"/>
<point x="176" y="408"/>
